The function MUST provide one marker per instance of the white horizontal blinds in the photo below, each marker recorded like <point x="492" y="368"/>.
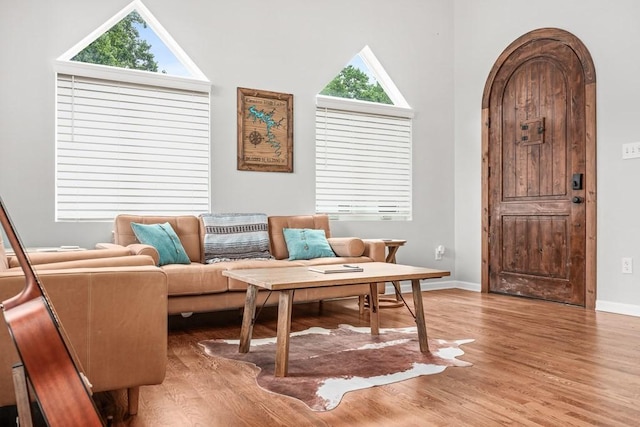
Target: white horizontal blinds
<point x="125" y="147"/>
<point x="363" y="165"/>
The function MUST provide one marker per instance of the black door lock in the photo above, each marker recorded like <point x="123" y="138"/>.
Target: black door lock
<point x="576" y="181"/>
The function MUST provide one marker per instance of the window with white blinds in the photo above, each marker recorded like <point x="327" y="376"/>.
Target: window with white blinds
<point x="363" y="165"/>
<point x="130" y="148"/>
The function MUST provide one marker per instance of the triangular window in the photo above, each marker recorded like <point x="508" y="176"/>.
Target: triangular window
<point x="364" y="79"/>
<point x="132" y="43"/>
<point x="134" y="39"/>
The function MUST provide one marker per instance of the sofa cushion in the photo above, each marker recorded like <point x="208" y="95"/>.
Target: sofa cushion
<point x="187" y="227"/>
<point x="164" y="239"/>
<point x="234" y="236"/>
<point x="278" y="223"/>
<point x="306" y="243"/>
<point x="195" y="279"/>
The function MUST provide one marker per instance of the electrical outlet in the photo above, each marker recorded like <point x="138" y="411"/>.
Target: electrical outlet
<point x="439" y="252"/>
<point x="627" y="265"/>
<point x="631" y="150"/>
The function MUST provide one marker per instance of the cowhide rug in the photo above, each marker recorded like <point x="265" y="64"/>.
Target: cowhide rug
<point x="325" y="364"/>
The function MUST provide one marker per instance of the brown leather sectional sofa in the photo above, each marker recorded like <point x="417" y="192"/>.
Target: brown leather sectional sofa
<point x="113" y="301"/>
<point x="201" y="287"/>
<point x="113" y="307"/>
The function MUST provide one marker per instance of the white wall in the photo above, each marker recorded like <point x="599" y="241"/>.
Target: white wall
<point x="610" y="30"/>
<point x="284" y="45"/>
<point x="296" y="47"/>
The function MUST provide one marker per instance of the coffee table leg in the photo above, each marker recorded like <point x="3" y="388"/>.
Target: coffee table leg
<point x="420" y="321"/>
<point x="247" y="318"/>
<point x="284" y="328"/>
<point x="374" y="311"/>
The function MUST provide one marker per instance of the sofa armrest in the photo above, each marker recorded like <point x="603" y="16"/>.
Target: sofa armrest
<point x="375" y="249"/>
<point x="109" y="246"/>
<point x="53" y="257"/>
<point x="115" y="318"/>
<point x="122" y="261"/>
<point x="134" y="249"/>
<point x="347" y="246"/>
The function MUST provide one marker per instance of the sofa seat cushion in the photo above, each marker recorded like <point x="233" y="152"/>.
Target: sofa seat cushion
<point x="195" y="279"/>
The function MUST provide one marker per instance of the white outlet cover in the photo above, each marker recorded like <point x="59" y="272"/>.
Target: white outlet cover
<point x="631" y="150"/>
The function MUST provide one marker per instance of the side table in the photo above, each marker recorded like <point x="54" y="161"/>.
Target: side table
<point x="392" y="246"/>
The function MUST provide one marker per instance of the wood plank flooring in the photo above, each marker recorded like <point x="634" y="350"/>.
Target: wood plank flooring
<point x="535" y="364"/>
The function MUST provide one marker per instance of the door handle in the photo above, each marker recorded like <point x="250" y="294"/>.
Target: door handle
<point x="577" y="199"/>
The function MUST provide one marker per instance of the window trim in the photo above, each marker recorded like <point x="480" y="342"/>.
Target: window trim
<point x="383" y="78"/>
<point x="355" y="105"/>
<point x="105" y="72"/>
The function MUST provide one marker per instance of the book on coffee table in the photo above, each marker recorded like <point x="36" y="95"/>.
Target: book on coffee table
<point x="340" y="268"/>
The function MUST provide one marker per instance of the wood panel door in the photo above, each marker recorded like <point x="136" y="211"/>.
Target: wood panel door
<point x="539" y="184"/>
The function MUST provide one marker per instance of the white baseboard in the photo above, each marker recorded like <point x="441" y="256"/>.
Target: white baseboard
<point x="468" y="286"/>
<point x="608" y="306"/>
<point x="618" y="308"/>
<point x="425" y="285"/>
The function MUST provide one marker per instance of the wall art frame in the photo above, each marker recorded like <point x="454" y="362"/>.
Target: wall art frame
<point x="265" y="130"/>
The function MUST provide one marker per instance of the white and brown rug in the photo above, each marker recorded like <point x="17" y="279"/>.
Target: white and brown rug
<point x="325" y="364"/>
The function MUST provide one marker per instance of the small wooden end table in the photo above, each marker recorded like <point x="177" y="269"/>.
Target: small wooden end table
<point x="392" y="246"/>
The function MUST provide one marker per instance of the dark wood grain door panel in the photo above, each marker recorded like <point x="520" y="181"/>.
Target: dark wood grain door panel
<point x="536" y="143"/>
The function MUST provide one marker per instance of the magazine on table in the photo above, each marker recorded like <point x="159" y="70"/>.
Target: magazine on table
<point x="337" y="268"/>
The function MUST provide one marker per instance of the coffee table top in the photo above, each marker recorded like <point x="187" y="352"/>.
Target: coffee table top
<point x="280" y="278"/>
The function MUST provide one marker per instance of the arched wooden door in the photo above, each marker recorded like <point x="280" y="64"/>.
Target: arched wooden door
<point x="539" y="170"/>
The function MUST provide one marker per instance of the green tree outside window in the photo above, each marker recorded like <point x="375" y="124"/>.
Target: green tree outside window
<point x="121" y="47"/>
<point x="354" y="83"/>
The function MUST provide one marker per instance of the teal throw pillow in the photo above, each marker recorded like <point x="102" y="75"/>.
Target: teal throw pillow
<point x="306" y="243"/>
<point x="164" y="239"/>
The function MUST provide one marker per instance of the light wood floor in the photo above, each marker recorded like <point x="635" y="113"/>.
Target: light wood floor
<point x="535" y="363"/>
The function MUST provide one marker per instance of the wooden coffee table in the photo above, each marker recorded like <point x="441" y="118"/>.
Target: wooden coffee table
<point x="287" y="279"/>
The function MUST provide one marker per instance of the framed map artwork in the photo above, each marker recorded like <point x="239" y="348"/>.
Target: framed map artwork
<point x="265" y="131"/>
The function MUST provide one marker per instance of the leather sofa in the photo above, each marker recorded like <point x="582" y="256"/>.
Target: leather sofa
<point x="113" y="308"/>
<point x="201" y="287"/>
